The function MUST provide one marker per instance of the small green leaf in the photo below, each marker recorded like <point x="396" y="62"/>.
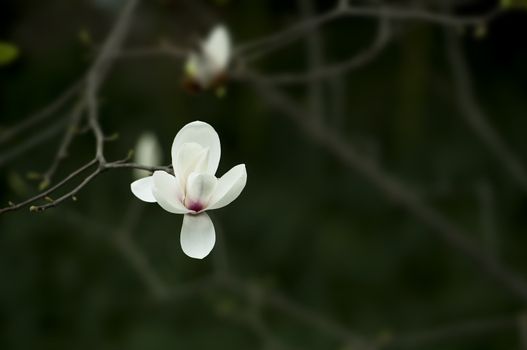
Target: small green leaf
<point x="8" y="53"/>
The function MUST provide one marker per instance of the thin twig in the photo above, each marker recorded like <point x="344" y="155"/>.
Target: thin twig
<point x="165" y="50"/>
<point x="67" y="138"/>
<point x="315" y="60"/>
<point x="68" y="195"/>
<point x="258" y="48"/>
<point x="51" y="189"/>
<point x="42" y="114"/>
<point x="31" y="142"/>
<point x="331" y="70"/>
<point x="95" y="77"/>
<point x="101" y="168"/>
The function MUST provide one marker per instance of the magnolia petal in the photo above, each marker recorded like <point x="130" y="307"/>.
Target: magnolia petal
<point x="217" y="49"/>
<point x="142" y="189"/>
<point x="191" y="157"/>
<point x="202" y="134"/>
<point x="197" y="235"/>
<point x="229" y="187"/>
<point x="147" y="152"/>
<point x="199" y="190"/>
<point x="167" y="193"/>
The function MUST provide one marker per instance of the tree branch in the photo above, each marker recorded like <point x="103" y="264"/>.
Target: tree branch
<point x="395" y="191"/>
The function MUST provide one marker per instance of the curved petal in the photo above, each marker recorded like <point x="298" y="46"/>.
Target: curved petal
<point x="197" y="235"/>
<point x="217" y="48"/>
<point x="199" y="190"/>
<point x="229" y="187"/>
<point x="191" y="157"/>
<point x="167" y="193"/>
<point x="202" y="134"/>
<point x="142" y="189"/>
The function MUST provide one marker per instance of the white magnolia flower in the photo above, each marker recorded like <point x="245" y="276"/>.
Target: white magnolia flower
<point x="193" y="188"/>
<point x="208" y="66"/>
<point x="147" y="152"/>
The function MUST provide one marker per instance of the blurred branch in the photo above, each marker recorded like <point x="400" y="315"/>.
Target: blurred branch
<point x="258" y="297"/>
<point x="123" y="241"/>
<point x="327" y="71"/>
<point x="31" y="142"/>
<point x="474" y="115"/>
<point x="419" y="339"/>
<point x="487" y="209"/>
<point x="95" y="77"/>
<point x="62" y="152"/>
<point x="267" y="44"/>
<point x="392" y="189"/>
<point x="521" y="323"/>
<point x="41" y="115"/>
<point x="165" y="49"/>
<point x="315" y="59"/>
<point x="287" y="306"/>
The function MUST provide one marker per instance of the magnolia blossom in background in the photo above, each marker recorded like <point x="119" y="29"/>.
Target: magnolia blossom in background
<point x="147" y="152"/>
<point x="207" y="68"/>
<point x="193" y="189"/>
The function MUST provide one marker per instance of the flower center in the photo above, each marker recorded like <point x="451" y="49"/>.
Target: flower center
<point x="195" y="206"/>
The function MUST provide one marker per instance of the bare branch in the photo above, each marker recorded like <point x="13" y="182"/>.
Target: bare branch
<point x="255" y="49"/>
<point x="395" y="191"/>
<point x="93" y="117"/>
<point x="30" y="143"/>
<point x="51" y="189"/>
<point x="123" y="241"/>
<point x="315" y="58"/>
<point x="164" y="50"/>
<point x="43" y="114"/>
<point x="313" y="319"/>
<point x="324" y="72"/>
<point x="62" y="152"/>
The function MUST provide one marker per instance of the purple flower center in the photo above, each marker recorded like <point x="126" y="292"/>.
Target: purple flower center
<point x="195" y="206"/>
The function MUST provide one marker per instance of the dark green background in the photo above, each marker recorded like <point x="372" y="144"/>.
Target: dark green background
<point x="306" y="226"/>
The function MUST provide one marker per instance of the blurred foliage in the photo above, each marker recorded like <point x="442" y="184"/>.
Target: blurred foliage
<point x="514" y="4"/>
<point x="8" y="53"/>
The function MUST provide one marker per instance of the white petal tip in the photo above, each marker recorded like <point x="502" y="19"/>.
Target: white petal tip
<point x="142" y="189"/>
